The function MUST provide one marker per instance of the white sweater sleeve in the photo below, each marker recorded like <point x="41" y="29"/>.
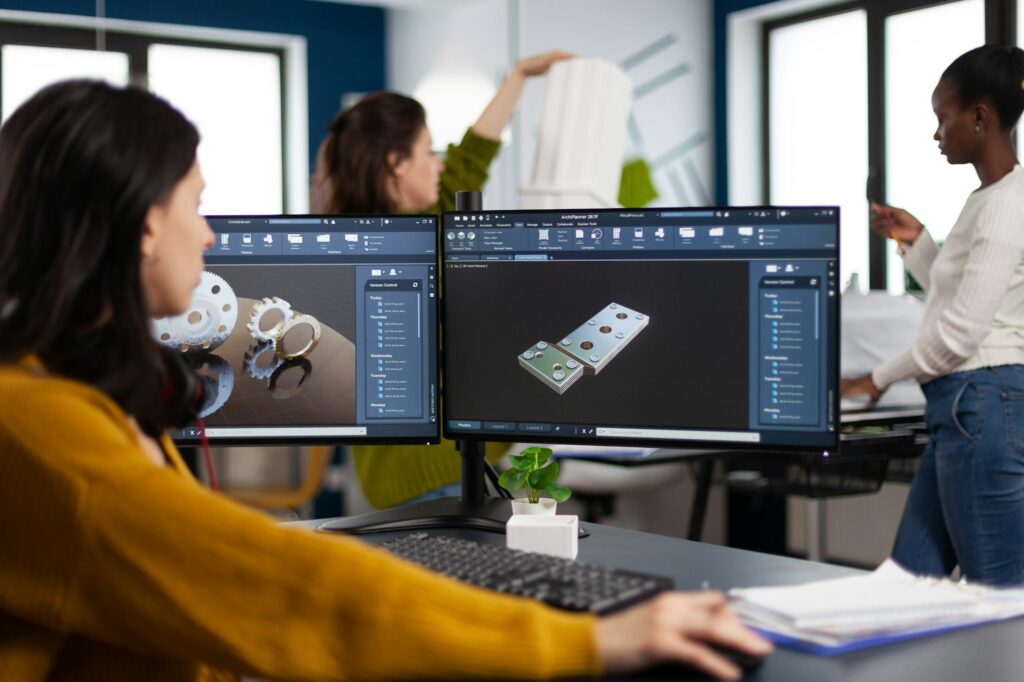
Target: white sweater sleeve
<point x="995" y="253"/>
<point x="919" y="256"/>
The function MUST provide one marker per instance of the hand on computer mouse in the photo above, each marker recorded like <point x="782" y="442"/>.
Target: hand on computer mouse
<point x="677" y="627"/>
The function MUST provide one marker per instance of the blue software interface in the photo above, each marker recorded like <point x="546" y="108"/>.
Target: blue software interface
<point x="659" y="326"/>
<point x="316" y="328"/>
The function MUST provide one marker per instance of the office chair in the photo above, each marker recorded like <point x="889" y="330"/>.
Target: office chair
<point x="284" y="498"/>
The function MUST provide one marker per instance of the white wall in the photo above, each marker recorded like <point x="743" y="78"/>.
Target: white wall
<point x="674" y="112"/>
<point x="471" y="38"/>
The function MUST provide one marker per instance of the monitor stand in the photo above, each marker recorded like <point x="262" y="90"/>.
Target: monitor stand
<point x="474" y="509"/>
<point x="445" y="512"/>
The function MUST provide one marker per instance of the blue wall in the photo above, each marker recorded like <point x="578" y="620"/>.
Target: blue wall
<point x="722" y="10"/>
<point x="345" y="43"/>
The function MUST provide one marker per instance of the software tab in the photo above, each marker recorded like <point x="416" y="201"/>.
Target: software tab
<point x="588" y="239"/>
<point x="640" y="238"/>
<point x="502" y="240"/>
<point x="550" y="239"/>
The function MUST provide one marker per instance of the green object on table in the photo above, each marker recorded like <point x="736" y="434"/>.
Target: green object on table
<point x="534" y="469"/>
<point x="636" y="188"/>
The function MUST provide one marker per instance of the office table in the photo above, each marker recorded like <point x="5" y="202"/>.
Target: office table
<point x="870" y="452"/>
<point x="992" y="653"/>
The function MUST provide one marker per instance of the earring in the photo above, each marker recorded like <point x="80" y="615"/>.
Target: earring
<point x="977" y="129"/>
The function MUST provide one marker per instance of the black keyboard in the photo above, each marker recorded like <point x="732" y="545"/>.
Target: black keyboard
<point x="561" y="583"/>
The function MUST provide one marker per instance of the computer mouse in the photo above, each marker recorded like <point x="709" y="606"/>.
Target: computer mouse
<point x="747" y="664"/>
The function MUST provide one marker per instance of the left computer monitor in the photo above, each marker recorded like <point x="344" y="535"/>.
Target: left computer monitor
<point x="314" y="329"/>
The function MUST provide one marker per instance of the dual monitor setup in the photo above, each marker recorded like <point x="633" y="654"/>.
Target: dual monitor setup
<point x="679" y="328"/>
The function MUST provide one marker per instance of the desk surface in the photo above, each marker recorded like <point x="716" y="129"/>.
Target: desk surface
<point x="992" y="653"/>
<point x="890" y="414"/>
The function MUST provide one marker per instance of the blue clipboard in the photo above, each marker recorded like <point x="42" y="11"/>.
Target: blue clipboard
<point x="805" y="646"/>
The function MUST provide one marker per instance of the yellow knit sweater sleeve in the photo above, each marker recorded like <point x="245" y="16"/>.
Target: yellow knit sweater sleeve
<point x="100" y="543"/>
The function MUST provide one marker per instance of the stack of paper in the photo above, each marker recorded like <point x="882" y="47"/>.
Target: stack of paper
<point x="886" y="605"/>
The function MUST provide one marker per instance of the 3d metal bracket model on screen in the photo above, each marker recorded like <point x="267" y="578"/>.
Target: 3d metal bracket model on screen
<point x="586" y="350"/>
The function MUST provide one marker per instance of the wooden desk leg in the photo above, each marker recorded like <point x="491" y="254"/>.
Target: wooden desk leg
<point x="700" y="499"/>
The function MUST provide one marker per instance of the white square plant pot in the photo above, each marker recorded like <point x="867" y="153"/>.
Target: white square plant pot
<point x="556" y="535"/>
<point x="546" y="506"/>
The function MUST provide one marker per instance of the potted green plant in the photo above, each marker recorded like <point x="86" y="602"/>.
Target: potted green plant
<point x="534" y="470"/>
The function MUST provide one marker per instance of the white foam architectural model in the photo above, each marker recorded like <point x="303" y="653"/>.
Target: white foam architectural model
<point x="582" y="142"/>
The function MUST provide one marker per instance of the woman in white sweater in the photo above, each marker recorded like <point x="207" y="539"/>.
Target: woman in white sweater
<point x="966" y="504"/>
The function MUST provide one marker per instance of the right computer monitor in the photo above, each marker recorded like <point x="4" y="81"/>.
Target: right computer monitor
<point x="663" y="327"/>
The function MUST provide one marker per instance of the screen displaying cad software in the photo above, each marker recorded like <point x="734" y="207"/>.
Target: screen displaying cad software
<point x="663" y="327"/>
<point x="314" y="328"/>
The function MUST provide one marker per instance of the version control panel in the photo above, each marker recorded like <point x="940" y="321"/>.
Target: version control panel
<point x="790" y="313"/>
<point x="395" y="323"/>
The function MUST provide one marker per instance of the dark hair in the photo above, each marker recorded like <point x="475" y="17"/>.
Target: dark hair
<point x="353" y="171"/>
<point x="81" y="164"/>
<point x="993" y="72"/>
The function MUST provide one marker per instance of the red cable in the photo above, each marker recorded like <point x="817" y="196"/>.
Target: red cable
<point x="206" y="454"/>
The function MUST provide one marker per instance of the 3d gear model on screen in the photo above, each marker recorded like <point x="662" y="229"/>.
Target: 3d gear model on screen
<point x="286" y="393"/>
<point x="263" y="308"/>
<point x="218" y="382"/>
<point x="586" y="350"/>
<point x="208" y="322"/>
<point x="282" y="342"/>
<point x="281" y="328"/>
<point x="262" y="364"/>
<point x="259" y="367"/>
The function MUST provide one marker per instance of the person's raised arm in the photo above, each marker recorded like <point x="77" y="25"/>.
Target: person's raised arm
<point x="915" y="244"/>
<point x="895" y="223"/>
<point x="500" y="110"/>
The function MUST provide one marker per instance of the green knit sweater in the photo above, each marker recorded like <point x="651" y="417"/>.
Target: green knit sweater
<point x="392" y="474"/>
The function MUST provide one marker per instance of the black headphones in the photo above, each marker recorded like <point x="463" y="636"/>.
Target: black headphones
<point x="182" y="394"/>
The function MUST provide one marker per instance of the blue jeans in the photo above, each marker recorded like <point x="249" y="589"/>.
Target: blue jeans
<point x="966" y="504"/>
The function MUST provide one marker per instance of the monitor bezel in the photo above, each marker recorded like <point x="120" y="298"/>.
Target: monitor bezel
<point x="548" y="438"/>
<point x="434" y="439"/>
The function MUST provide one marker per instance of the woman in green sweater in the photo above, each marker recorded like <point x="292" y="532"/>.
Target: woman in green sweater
<point x="114" y="563"/>
<point x="378" y="158"/>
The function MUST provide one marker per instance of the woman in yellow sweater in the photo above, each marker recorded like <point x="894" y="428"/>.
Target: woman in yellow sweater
<point x="114" y="563"/>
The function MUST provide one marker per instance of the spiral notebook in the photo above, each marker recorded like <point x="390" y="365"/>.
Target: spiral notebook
<point x="886" y="605"/>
